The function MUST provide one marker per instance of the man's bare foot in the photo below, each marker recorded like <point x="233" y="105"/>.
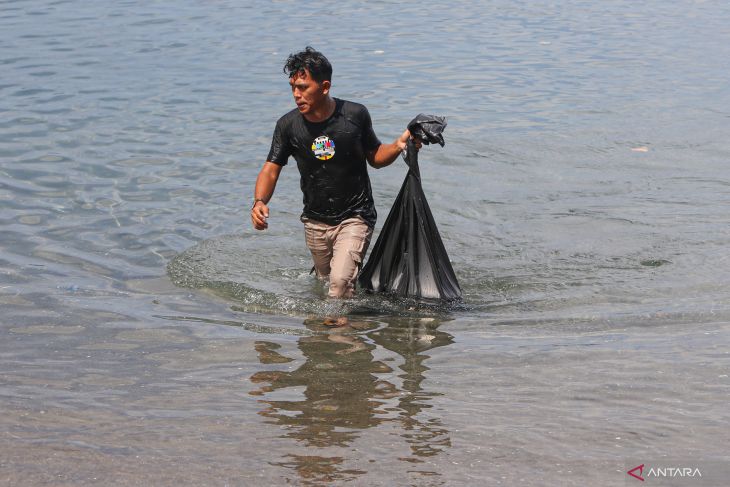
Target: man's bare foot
<point x="335" y="322"/>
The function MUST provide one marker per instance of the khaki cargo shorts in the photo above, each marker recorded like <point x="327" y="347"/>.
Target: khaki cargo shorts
<point x="338" y="252"/>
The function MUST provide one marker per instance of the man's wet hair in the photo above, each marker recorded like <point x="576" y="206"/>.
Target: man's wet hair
<point x="313" y="61"/>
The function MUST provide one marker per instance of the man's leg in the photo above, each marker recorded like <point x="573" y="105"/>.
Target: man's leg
<point x="351" y="243"/>
<point x="316" y="237"/>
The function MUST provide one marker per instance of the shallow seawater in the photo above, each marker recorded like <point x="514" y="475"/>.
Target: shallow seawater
<point x="151" y="337"/>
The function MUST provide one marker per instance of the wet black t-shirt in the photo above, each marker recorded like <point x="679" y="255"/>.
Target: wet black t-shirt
<point x="331" y="160"/>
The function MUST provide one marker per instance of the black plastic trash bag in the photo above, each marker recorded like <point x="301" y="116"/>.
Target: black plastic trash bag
<point x="409" y="258"/>
<point x="428" y="128"/>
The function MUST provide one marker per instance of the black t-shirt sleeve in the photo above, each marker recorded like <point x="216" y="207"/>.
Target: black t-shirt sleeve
<point x="370" y="141"/>
<point x="280" y="146"/>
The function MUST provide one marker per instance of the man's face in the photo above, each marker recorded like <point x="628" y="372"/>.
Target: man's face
<point x="308" y="93"/>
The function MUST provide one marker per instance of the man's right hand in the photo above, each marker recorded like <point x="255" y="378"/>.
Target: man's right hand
<point x="259" y="215"/>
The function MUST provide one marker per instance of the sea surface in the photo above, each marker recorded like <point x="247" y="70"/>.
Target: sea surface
<point x="149" y="336"/>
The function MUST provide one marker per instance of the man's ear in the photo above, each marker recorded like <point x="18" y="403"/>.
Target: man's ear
<point x="326" y="85"/>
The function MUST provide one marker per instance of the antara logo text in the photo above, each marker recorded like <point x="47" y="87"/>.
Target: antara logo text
<point x="663" y="472"/>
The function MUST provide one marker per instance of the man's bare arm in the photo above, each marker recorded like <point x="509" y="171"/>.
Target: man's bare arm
<point x="385" y="154"/>
<point x="265" y="185"/>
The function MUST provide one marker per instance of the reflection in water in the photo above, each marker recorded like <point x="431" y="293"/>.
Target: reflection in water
<point x="344" y="395"/>
<point x="313" y="470"/>
<point x="429" y="437"/>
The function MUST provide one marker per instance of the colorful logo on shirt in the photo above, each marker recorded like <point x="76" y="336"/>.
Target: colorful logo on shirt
<point x="323" y="148"/>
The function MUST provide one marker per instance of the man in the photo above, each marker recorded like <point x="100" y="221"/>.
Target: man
<point x="331" y="140"/>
